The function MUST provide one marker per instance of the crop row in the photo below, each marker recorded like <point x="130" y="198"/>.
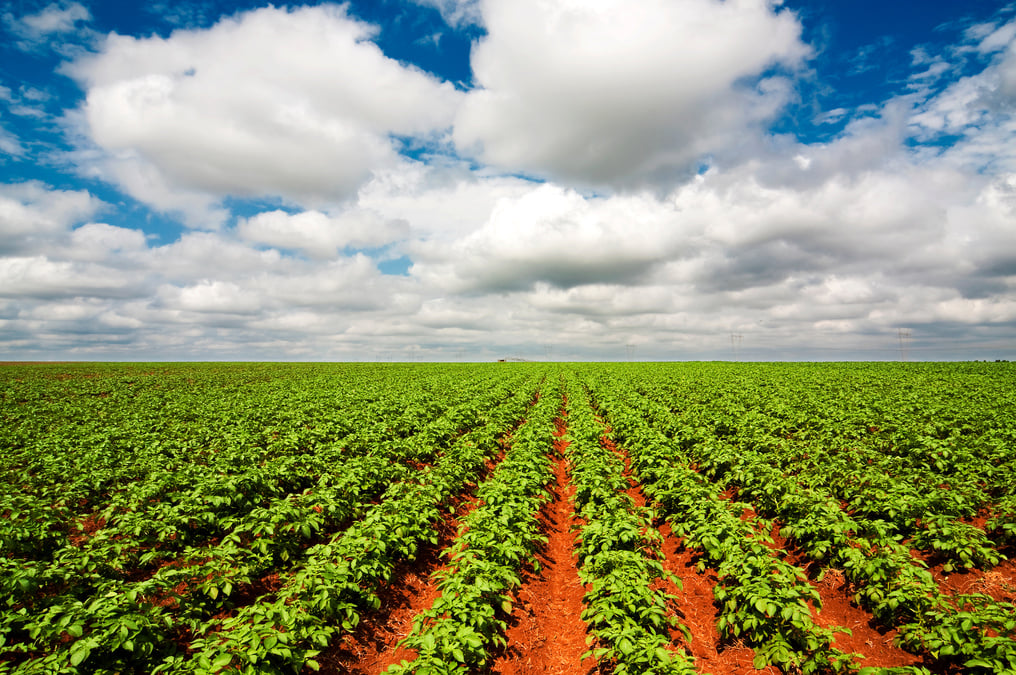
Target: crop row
<point x="110" y="447"/>
<point x="627" y="612"/>
<point x="464" y="627"/>
<point x="764" y="600"/>
<point x="78" y="610"/>
<point x="972" y="629"/>
<point x="221" y="518"/>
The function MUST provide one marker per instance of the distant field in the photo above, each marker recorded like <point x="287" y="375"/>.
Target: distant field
<point x="508" y="518"/>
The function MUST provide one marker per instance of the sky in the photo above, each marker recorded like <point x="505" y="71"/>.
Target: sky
<point x="463" y="180"/>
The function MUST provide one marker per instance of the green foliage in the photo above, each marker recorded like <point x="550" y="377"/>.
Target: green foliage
<point x="203" y="518"/>
<point x="856" y="474"/>
<point x="458" y="633"/>
<point x="956" y="631"/>
<point x="629" y="621"/>
<point x="227" y="506"/>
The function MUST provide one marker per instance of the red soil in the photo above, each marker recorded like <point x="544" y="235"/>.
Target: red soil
<point x="248" y="594"/>
<point x="874" y="643"/>
<point x="545" y="633"/>
<point x="998" y="582"/>
<point x="633" y="490"/>
<point x="694" y="605"/>
<point x="373" y="646"/>
<point x="85" y="528"/>
<point x="697" y="611"/>
<point x="731" y="492"/>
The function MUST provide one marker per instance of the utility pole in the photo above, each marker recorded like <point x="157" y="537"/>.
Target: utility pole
<point x="904" y="336"/>
<point x="735" y="345"/>
<point x="629" y="350"/>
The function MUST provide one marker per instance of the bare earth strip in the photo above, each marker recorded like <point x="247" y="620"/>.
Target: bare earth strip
<point x="546" y="635"/>
<point x="373" y="646"/>
<point x="695" y="608"/>
<point x="867" y="638"/>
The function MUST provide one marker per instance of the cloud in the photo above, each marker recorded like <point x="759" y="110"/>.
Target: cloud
<point x="297" y="104"/>
<point x="443" y="201"/>
<point x="977" y="110"/>
<point x="349" y="284"/>
<point x="54" y="19"/>
<point x="556" y="236"/>
<point x="996" y="38"/>
<point x="456" y="13"/>
<point x="616" y="94"/>
<point x="192" y="256"/>
<point x="847" y="254"/>
<point x="807" y="250"/>
<point x="38" y="277"/>
<point x="869" y="57"/>
<point x="31" y="213"/>
<point x="10" y="144"/>
<point x="96" y="242"/>
<point x="211" y="297"/>
<point x="27" y="103"/>
<point x="320" y="235"/>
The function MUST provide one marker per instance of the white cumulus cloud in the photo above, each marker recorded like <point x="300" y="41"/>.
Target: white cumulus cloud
<point x="319" y="234"/>
<point x="618" y="246"/>
<point x="32" y="212"/>
<point x="614" y="93"/>
<point x="298" y="104"/>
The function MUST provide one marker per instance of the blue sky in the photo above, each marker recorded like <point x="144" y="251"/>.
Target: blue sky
<point x="448" y="179"/>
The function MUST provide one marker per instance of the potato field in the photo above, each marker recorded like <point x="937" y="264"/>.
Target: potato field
<point x="508" y="518"/>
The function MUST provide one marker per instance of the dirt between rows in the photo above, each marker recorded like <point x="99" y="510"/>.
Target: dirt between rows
<point x="373" y="646"/>
<point x="694" y="606"/>
<point x="998" y="582"/>
<point x="546" y="634"/>
<point x="872" y="642"/>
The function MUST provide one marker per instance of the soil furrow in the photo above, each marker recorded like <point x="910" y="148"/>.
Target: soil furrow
<point x="695" y="600"/>
<point x="373" y="646"/>
<point x="546" y="635"/>
<point x="698" y="612"/>
<point x="873" y="642"/>
<point x="999" y="582"/>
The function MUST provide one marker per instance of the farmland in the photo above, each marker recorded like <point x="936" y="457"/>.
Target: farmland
<point x="508" y="518"/>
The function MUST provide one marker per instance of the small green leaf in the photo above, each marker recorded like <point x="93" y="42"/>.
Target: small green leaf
<point x="221" y="662"/>
<point x="79" y="655"/>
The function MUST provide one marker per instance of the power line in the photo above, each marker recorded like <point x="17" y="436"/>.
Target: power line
<point x="735" y="345"/>
<point x="904" y="336"/>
